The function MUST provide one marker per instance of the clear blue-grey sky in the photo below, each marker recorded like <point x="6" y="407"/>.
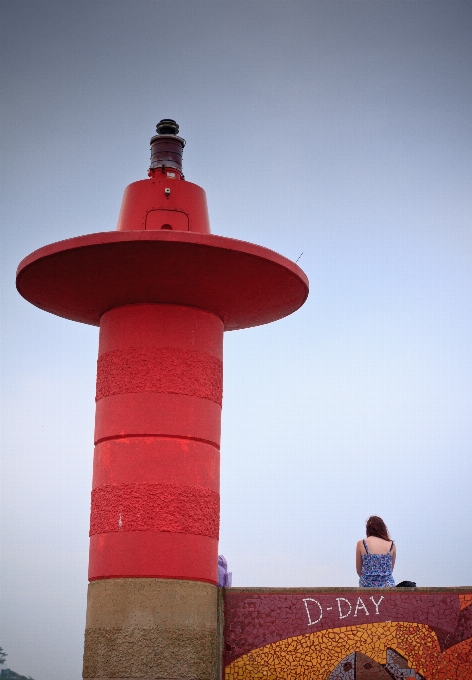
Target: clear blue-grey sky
<point x="338" y="129"/>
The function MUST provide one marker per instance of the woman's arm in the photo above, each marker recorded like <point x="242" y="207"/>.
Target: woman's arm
<point x="359" y="550"/>
<point x="394" y="555"/>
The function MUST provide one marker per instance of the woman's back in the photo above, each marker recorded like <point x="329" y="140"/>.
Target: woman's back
<point x="375" y="559"/>
<point x="377" y="546"/>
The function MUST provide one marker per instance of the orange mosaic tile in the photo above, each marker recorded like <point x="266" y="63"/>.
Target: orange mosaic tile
<point x="465" y="600"/>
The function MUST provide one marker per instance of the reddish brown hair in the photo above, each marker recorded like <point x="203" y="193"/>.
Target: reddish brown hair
<point x="375" y="526"/>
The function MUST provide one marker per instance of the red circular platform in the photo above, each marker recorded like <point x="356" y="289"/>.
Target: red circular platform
<point x="81" y="278"/>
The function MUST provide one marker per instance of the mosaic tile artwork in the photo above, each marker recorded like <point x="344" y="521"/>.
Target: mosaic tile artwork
<point x="348" y="635"/>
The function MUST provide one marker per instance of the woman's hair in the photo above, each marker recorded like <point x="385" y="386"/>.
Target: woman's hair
<point x="375" y="526"/>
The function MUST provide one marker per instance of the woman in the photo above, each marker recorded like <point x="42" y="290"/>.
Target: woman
<point x="375" y="556"/>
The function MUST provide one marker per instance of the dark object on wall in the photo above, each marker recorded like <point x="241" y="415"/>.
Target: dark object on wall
<point x="406" y="584"/>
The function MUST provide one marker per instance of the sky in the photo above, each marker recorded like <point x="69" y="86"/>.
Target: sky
<point x="337" y="129"/>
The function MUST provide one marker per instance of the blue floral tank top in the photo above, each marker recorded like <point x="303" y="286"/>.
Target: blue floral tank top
<point x="376" y="570"/>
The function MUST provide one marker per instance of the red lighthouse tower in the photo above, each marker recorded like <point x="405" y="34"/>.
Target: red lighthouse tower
<point x="163" y="290"/>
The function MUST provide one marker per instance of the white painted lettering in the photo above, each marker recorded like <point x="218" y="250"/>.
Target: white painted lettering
<point x="341" y="615"/>
<point x="309" y="599"/>
<point x="360" y="605"/>
<point x="376" y="604"/>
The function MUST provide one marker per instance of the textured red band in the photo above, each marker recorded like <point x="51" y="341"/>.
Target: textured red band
<point x="160" y="369"/>
<point x="155" y="507"/>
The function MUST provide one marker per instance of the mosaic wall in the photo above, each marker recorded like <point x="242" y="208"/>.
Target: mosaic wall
<point x="348" y="634"/>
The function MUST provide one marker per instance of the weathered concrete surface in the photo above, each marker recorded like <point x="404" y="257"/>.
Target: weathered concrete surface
<point x="157" y="629"/>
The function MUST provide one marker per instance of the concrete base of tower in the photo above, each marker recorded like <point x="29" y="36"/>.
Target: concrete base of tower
<point x="151" y="629"/>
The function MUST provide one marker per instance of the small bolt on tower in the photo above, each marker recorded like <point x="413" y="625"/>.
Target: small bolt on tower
<point x="162" y="289"/>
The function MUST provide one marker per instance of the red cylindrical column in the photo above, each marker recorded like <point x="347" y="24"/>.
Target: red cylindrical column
<point x="155" y="497"/>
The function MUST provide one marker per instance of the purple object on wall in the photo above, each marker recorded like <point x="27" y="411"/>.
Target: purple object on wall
<point x="225" y="577"/>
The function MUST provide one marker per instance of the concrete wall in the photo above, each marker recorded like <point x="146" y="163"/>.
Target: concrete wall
<point x="157" y="629"/>
<point x="347" y="633"/>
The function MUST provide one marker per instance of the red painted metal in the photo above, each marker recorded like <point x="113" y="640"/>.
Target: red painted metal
<point x="159" y="375"/>
<point x="163" y="290"/>
<point x="243" y="284"/>
<point x="153" y="554"/>
<point x="153" y="460"/>
<point x="141" y="200"/>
